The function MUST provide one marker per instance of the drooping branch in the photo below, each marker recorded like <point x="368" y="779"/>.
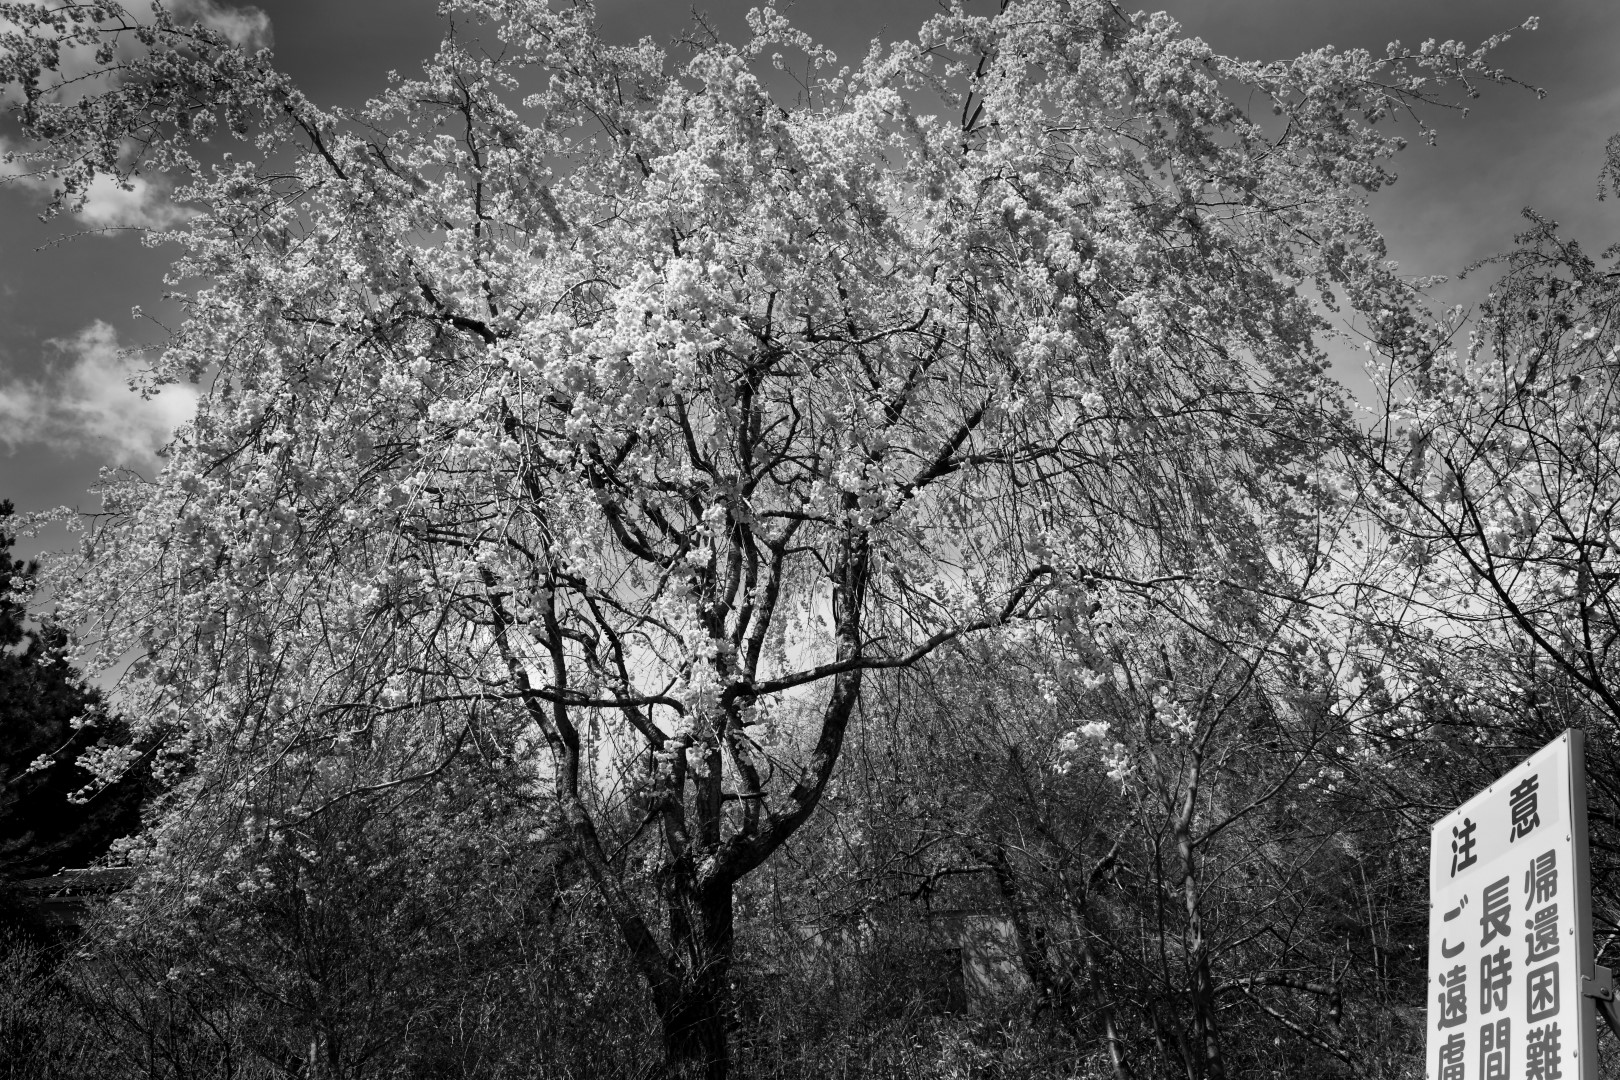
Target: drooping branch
<point x="1015" y="602"/>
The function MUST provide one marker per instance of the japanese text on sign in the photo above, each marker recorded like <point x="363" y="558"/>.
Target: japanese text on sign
<point x="1504" y="967"/>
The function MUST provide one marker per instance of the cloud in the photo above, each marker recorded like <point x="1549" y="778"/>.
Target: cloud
<point x="84" y="404"/>
<point x="245" y="27"/>
<point x="143" y="204"/>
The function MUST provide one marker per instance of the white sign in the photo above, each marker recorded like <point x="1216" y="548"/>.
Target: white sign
<point x="1510" y="928"/>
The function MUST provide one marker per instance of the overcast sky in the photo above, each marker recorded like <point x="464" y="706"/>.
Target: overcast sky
<point x="65" y="307"/>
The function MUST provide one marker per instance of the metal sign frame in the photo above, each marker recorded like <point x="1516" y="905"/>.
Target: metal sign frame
<point x="1590" y="991"/>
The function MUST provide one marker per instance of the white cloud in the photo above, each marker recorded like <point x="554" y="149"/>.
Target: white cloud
<point x="84" y="404"/>
<point x="144" y="204"/>
<point x="246" y="27"/>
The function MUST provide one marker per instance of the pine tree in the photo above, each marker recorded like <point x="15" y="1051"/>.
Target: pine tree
<point x="48" y="718"/>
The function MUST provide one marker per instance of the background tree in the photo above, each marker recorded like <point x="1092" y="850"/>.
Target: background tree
<point x="1495" y="485"/>
<point x="1175" y="828"/>
<point x="48" y="719"/>
<point x="565" y="397"/>
<point x="431" y="930"/>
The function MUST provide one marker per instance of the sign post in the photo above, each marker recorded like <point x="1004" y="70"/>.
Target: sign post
<point x="1513" y="992"/>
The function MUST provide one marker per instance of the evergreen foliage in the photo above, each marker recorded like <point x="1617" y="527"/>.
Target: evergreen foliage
<point x="48" y="718"/>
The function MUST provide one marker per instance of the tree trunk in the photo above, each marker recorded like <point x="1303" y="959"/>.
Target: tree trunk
<point x="695" y="1040"/>
<point x="1103" y="991"/>
<point x="1104" y="995"/>
<point x="693" y="1016"/>
<point x="1202" y="991"/>
<point x="690" y="979"/>
<point x="1052" y="991"/>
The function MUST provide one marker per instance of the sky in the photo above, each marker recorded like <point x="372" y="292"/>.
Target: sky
<point x="66" y="297"/>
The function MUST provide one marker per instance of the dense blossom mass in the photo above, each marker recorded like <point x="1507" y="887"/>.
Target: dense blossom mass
<point x="608" y="417"/>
